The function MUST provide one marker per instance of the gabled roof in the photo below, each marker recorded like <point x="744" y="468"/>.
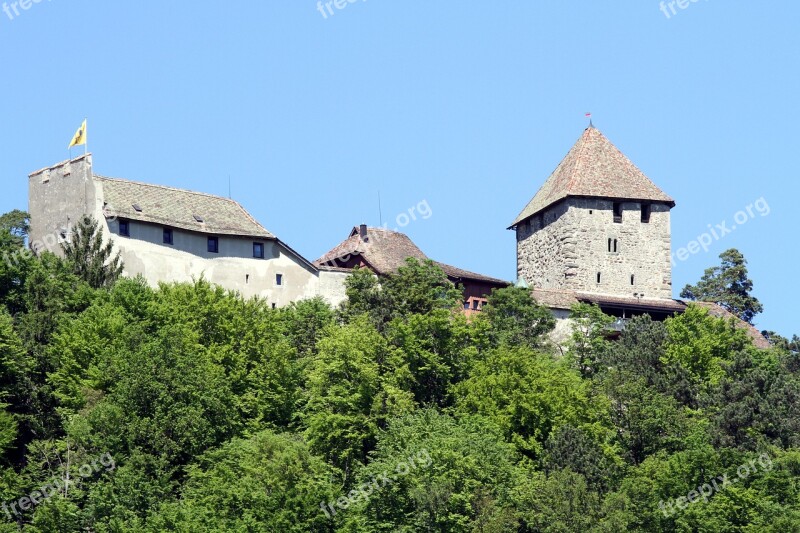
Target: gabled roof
<point x="178" y="208"/>
<point x="385" y="251"/>
<point x="594" y="167"/>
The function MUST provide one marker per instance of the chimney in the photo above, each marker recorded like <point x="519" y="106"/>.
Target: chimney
<point x="362" y="230"/>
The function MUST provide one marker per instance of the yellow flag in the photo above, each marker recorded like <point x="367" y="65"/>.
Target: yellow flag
<point x="80" y="136"/>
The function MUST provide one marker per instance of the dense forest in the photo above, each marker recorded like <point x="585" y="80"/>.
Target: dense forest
<point x="188" y="408"/>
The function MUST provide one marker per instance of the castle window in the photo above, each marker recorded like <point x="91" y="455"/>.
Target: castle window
<point x="598" y="277"/>
<point x="279" y="279"/>
<point x="124" y="228"/>
<point x="273" y="305"/>
<point x="167" y="235"/>
<point x="633" y="279"/>
<point x="618" y="212"/>
<point x="612" y="245"/>
<point x="646" y="210"/>
<point x="213" y="245"/>
<point x="258" y="250"/>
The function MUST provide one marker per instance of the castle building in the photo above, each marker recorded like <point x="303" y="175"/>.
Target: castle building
<point x="174" y="235"/>
<point x="598" y="230"/>
<point x="384" y="251"/>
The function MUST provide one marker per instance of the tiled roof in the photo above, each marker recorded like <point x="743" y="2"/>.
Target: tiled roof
<point x="179" y="208"/>
<point x="594" y="168"/>
<point x="655" y="304"/>
<point x="554" y="298"/>
<point x="385" y="251"/>
<point x="458" y="273"/>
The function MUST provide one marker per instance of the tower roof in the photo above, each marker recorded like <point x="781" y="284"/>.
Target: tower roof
<point x="594" y="167"/>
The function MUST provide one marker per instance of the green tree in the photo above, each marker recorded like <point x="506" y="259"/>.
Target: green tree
<point x="701" y="343"/>
<point x="588" y="342"/>
<point x="728" y="286"/>
<point x="419" y="288"/>
<point x="91" y="259"/>
<point x="430" y="472"/>
<point x="269" y="482"/>
<point x="514" y="318"/>
<point x="352" y="389"/>
<point x="530" y="395"/>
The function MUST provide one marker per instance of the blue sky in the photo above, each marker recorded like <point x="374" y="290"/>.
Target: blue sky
<point x="467" y="106"/>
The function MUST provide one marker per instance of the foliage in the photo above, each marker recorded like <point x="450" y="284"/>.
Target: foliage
<point x="91" y="259"/>
<point x="222" y="414"/>
<point x="728" y="286"/>
<point x="515" y="319"/>
<point x="589" y="339"/>
<point x="701" y="343"/>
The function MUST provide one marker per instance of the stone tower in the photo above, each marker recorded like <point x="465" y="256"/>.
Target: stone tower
<point x="597" y="225"/>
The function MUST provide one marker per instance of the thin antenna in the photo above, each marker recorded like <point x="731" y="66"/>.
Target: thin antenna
<point x="380" y="212"/>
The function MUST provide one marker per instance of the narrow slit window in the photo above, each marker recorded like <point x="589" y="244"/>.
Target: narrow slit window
<point x="633" y="279"/>
<point x="615" y="246"/>
<point x="167" y="235"/>
<point x="279" y="279"/>
<point x="598" y="277"/>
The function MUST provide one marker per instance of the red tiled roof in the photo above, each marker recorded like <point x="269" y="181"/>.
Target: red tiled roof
<point x="594" y="167"/>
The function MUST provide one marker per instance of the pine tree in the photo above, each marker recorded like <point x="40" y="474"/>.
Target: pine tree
<point x="727" y="285"/>
<point x="90" y="258"/>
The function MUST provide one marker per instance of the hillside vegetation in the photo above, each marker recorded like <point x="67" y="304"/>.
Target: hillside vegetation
<point x="187" y="408"/>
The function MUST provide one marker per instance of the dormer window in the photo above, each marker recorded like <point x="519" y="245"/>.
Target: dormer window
<point x="198" y="218"/>
<point x="137" y="208"/>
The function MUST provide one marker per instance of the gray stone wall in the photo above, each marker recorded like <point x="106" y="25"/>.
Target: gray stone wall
<point x="57" y="197"/>
<point x="567" y="246"/>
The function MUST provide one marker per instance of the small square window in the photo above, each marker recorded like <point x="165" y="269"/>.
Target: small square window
<point x="167" y="235"/>
<point x="124" y="228"/>
<point x="466" y="305"/>
<point x="279" y="279"/>
<point x="258" y="250"/>
<point x="213" y="245"/>
<point x="646" y="210"/>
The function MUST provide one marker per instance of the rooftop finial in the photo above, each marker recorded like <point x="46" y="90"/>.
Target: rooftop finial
<point x="589" y="116"/>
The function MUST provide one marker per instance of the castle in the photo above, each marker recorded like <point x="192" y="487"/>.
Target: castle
<point x="597" y="231"/>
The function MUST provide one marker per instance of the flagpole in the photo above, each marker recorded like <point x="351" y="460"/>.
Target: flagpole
<point x="86" y="134"/>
